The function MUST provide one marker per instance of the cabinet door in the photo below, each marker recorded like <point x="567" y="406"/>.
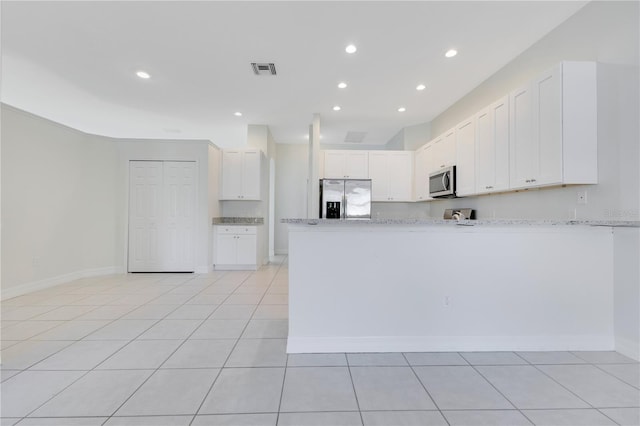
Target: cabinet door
<point x="231" y="175"/>
<point x="421" y="172"/>
<point x="485" y="151"/>
<point x="523" y="151"/>
<point x="547" y="118"/>
<point x="465" y="163"/>
<point x="226" y="249"/>
<point x="448" y="153"/>
<point x="492" y="147"/>
<point x="334" y="165"/>
<point x="251" y="175"/>
<point x="400" y="175"/>
<point x="356" y="165"/>
<point x="379" y="176"/>
<point x="247" y="249"/>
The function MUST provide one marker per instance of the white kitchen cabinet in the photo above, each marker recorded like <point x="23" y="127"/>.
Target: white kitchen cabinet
<point x="444" y="150"/>
<point x="492" y="147"/>
<point x="553" y="128"/>
<point x="391" y="174"/>
<point x="421" y="172"/>
<point x="465" y="157"/>
<point x="346" y="164"/>
<point x="235" y="247"/>
<point x="241" y="174"/>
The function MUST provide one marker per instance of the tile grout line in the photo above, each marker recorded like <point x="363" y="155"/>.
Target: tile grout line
<point x="206" y="395"/>
<point x="353" y="386"/>
<point x="425" y="388"/>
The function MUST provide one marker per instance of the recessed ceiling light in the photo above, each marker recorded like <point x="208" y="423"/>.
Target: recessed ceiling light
<point x="143" y="74"/>
<point x="237" y="114"/>
<point x="342" y="85"/>
<point x="402" y="109"/>
<point x="451" y="53"/>
<point x="421" y="87"/>
<point x="350" y="48"/>
<point x="337" y="108"/>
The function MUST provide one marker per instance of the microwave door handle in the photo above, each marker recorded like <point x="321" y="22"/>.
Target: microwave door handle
<point x="445" y="181"/>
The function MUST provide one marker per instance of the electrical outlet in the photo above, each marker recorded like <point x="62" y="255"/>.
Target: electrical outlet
<point x="582" y="197"/>
<point x="447" y="301"/>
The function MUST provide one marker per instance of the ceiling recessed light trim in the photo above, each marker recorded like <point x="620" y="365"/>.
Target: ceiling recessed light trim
<point x="451" y="53"/>
<point x="337" y="108"/>
<point x="351" y="48"/>
<point x="342" y="85"/>
<point x="402" y="109"/>
<point x="237" y="114"/>
<point x="421" y="87"/>
<point x="143" y="74"/>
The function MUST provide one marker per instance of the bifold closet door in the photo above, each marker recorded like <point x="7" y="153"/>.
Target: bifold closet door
<point x="161" y="216"/>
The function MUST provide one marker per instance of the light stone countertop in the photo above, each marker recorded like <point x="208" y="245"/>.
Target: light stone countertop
<point x="475" y="222"/>
<point x="238" y="221"/>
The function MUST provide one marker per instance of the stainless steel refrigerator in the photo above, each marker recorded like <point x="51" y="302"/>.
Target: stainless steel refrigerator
<point x="345" y="198"/>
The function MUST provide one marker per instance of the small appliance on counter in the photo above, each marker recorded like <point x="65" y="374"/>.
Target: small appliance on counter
<point x="345" y="198"/>
<point x="459" y="214"/>
<point x="442" y="184"/>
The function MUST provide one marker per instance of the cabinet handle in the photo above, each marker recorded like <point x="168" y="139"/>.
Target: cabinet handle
<point x="528" y="181"/>
<point x="533" y="180"/>
<point x="442" y="166"/>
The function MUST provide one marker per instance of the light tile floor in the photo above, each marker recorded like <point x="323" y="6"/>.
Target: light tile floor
<point x="184" y="349"/>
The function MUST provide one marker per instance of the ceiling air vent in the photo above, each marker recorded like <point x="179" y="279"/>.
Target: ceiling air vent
<point x="354" y="137"/>
<point x="263" y="68"/>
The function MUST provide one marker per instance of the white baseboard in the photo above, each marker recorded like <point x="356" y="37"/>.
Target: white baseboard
<point x="282" y="252"/>
<point x="235" y="267"/>
<point x="448" y="344"/>
<point x="26" y="288"/>
<point x="203" y="269"/>
<point x="628" y="348"/>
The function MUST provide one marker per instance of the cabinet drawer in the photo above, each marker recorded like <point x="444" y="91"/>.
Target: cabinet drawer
<point x="245" y="230"/>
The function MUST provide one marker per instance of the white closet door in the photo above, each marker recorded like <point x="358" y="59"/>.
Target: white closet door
<point x="145" y="215"/>
<point x="179" y="208"/>
<point x="161" y="216"/>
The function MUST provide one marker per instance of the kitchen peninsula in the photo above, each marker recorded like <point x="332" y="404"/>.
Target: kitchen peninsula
<point x="441" y="285"/>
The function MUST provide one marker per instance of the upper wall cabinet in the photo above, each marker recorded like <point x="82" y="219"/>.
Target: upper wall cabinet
<point x="553" y="128"/>
<point x="241" y="174"/>
<point x="346" y="164"/>
<point x="391" y="174"/>
<point x="465" y="157"/>
<point x="444" y="150"/>
<point x="421" y="172"/>
<point x="492" y="147"/>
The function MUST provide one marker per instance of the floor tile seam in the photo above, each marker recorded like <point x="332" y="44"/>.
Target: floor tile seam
<point x="71" y="342"/>
<point x="284" y="378"/>
<point x="495" y="387"/>
<point x="607" y="416"/>
<point x="41" y="313"/>
<point x="69" y="319"/>
<point x="433" y="401"/>
<point x="128" y="343"/>
<point x="598" y="366"/>
<point x="223" y="365"/>
<point x="353" y="388"/>
<point x="56" y="394"/>
<point x="564" y="386"/>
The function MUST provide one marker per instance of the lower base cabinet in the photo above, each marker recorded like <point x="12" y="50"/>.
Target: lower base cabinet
<point x="235" y="248"/>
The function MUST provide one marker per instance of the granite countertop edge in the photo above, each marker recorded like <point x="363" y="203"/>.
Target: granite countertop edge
<point x="449" y="222"/>
<point x="237" y="221"/>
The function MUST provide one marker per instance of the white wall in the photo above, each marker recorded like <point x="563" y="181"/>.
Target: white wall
<point x="606" y="32"/>
<point x="291" y="190"/>
<point x="198" y="151"/>
<point x="214" y="155"/>
<point x="59" y="209"/>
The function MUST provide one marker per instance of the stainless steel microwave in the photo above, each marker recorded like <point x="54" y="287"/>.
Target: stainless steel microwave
<point x="442" y="184"/>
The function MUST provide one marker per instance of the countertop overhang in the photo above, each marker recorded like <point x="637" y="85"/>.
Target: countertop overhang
<point x="474" y="222"/>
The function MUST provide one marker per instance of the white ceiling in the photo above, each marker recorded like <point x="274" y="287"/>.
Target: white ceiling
<point x="75" y="63"/>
